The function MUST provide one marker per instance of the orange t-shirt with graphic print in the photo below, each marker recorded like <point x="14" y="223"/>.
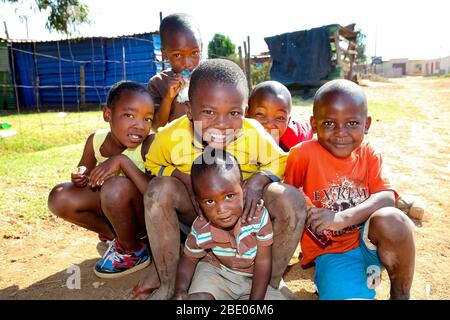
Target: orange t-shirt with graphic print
<point x="335" y="184"/>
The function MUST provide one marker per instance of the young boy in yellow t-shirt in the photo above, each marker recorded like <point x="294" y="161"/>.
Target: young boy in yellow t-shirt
<point x="218" y="96"/>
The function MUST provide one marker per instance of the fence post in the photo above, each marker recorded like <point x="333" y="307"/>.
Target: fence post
<point x="60" y="76"/>
<point x="241" y="61"/>
<point x="249" y="65"/>
<point x="124" y="70"/>
<point x="82" y="86"/>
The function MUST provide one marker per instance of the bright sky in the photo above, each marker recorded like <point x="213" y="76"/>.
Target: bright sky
<point x="395" y="29"/>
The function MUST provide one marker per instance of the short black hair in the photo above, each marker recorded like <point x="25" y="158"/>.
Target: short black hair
<point x="175" y="23"/>
<point x="274" y="88"/>
<point x="221" y="71"/>
<point x="213" y="160"/>
<point x="340" y="87"/>
<point x="123" y="86"/>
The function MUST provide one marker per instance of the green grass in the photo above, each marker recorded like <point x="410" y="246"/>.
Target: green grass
<point x="444" y="75"/>
<point x="42" y="131"/>
<point x="48" y="147"/>
<point x="42" y="154"/>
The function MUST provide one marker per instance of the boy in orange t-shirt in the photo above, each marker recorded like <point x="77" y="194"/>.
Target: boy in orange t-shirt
<point x="352" y="202"/>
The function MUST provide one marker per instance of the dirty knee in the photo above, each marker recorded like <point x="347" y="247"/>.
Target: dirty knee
<point x="390" y="224"/>
<point x="60" y="201"/>
<point x="117" y="190"/>
<point x="285" y="202"/>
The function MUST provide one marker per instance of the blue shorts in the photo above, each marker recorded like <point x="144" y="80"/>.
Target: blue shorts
<point x="350" y="275"/>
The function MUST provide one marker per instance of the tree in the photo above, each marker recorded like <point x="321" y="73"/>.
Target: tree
<point x="361" y="57"/>
<point x="221" y="46"/>
<point x="63" y="15"/>
<point x="260" y="72"/>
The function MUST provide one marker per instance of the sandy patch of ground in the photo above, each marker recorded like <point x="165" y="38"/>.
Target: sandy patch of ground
<point x="38" y="260"/>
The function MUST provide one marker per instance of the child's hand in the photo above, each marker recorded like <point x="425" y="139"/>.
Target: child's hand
<point x="176" y="82"/>
<point x="320" y="219"/>
<point x="105" y="170"/>
<point x="252" y="200"/>
<point x="78" y="177"/>
<point x="180" y="296"/>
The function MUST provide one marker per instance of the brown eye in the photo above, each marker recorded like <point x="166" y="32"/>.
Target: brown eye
<point x="328" y="124"/>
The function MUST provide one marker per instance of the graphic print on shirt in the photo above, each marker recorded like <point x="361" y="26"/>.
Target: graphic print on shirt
<point x="342" y="194"/>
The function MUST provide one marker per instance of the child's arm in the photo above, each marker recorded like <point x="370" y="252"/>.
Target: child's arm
<point x="115" y="163"/>
<point x="262" y="272"/>
<point x="121" y="162"/>
<point x="253" y="188"/>
<point x="320" y="219"/>
<point x="185" y="272"/>
<point x="272" y="163"/>
<point x="79" y="176"/>
<point x="173" y="88"/>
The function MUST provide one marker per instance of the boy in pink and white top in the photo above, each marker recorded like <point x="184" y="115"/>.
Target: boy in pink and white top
<point x="224" y="257"/>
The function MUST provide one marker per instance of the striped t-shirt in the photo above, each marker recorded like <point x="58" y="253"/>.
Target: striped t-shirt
<point x="234" y="249"/>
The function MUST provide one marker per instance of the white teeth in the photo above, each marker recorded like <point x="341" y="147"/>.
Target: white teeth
<point x="133" y="136"/>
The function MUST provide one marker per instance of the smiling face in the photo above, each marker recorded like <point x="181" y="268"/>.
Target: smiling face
<point x="271" y="110"/>
<point x="183" y="49"/>
<point x="217" y="111"/>
<point x="130" y="118"/>
<point x="340" y="121"/>
<point x="220" y="196"/>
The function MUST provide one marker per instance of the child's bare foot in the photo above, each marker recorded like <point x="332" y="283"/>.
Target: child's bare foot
<point x="138" y="292"/>
<point x="164" y="292"/>
<point x="148" y="284"/>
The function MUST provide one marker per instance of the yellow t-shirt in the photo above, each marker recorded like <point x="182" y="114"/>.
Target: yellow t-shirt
<point x="134" y="155"/>
<point x="174" y="147"/>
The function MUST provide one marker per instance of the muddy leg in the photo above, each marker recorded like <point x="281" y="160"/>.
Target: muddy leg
<point x="80" y="206"/>
<point x="166" y="200"/>
<point x="392" y="232"/>
<point x="122" y="204"/>
<point x="287" y="211"/>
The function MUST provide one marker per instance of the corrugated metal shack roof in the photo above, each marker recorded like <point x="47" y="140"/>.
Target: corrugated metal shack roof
<point x="79" y="71"/>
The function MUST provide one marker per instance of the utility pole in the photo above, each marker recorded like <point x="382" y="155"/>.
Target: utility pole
<point x="26" y="25"/>
<point x="6" y="30"/>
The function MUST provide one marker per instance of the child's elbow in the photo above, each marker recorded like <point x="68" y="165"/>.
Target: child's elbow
<point x="387" y="198"/>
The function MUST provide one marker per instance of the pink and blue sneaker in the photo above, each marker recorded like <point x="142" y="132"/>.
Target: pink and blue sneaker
<point x="116" y="262"/>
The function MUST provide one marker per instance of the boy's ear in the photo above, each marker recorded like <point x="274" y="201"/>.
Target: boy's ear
<point x="367" y="124"/>
<point x="189" y="110"/>
<point x="107" y="113"/>
<point x="313" y="123"/>
<point x="164" y="54"/>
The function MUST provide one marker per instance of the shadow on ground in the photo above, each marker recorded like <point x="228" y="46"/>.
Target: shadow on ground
<point x="91" y="287"/>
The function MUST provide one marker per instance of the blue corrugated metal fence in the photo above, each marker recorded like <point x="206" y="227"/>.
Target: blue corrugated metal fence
<point x="49" y="73"/>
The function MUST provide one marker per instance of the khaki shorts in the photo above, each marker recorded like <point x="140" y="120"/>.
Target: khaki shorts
<point x="224" y="284"/>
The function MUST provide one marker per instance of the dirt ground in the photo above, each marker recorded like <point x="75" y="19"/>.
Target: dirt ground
<point x="37" y="261"/>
